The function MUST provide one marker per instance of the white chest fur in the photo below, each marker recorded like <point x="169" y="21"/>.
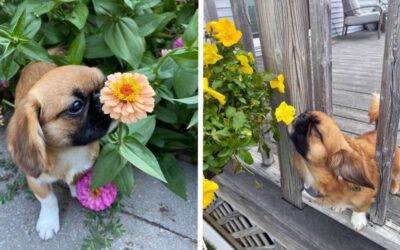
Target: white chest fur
<point x="70" y="162"/>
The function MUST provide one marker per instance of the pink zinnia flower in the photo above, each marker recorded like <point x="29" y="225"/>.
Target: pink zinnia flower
<point x="127" y="97"/>
<point x="98" y="199"/>
<point x="178" y="43"/>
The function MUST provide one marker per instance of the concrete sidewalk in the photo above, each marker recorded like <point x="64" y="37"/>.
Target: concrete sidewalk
<point x="153" y="218"/>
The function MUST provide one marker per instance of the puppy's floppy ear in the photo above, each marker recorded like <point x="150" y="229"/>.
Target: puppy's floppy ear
<point x="25" y="138"/>
<point x="350" y="170"/>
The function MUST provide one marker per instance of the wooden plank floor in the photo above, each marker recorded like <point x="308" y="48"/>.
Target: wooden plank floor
<point x="356" y="74"/>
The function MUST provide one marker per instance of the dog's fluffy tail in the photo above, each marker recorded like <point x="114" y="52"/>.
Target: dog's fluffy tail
<point x="374" y="109"/>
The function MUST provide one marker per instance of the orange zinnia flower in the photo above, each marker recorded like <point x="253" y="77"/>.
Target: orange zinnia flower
<point x="127" y="97"/>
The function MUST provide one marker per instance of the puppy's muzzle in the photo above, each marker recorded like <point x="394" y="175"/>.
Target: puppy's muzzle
<point x="96" y="101"/>
<point x="297" y="118"/>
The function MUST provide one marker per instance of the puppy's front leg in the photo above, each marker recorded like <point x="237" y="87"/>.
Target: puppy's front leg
<point x="48" y="223"/>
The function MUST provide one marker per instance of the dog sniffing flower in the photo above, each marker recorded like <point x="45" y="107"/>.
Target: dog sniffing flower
<point x="245" y="66"/>
<point x="277" y="83"/>
<point x="227" y="33"/>
<point x="127" y="97"/>
<point x="210" y="53"/>
<point x="207" y="90"/>
<point x="178" y="43"/>
<point x="209" y="189"/>
<point x="1" y="117"/>
<point x="98" y="199"/>
<point x="285" y="113"/>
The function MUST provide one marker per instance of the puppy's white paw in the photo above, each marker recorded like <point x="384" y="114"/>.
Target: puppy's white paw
<point x="359" y="220"/>
<point x="48" y="223"/>
<point x="339" y="208"/>
<point x="72" y="189"/>
<point x="47" y="227"/>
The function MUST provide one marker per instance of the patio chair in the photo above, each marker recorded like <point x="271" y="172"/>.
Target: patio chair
<point x="354" y="14"/>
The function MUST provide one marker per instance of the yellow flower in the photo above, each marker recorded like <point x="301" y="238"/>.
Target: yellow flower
<point x="212" y="27"/>
<point x="207" y="90"/>
<point x="227" y="33"/>
<point x="285" y="113"/>
<point x="210" y="53"/>
<point x="250" y="55"/>
<point x="244" y="61"/>
<point x="278" y="83"/>
<point x="209" y="189"/>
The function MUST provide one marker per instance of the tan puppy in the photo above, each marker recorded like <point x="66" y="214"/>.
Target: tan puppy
<point x="54" y="131"/>
<point x="342" y="169"/>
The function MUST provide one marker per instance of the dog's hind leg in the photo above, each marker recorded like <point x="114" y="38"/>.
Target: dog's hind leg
<point x="48" y="223"/>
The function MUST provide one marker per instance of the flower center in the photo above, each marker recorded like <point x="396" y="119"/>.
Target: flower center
<point x="126" y="90"/>
<point x="95" y="193"/>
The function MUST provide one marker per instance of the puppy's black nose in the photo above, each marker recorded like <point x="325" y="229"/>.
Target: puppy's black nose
<point x="302" y="116"/>
<point x="96" y="101"/>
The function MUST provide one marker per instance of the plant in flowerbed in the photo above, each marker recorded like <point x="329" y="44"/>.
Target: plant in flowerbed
<point x="237" y="100"/>
<point x="154" y="44"/>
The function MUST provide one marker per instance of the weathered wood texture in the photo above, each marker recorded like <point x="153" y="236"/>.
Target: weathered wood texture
<point x="389" y="112"/>
<point x="285" y="47"/>
<point x="210" y="11"/>
<point x="290" y="227"/>
<point x="242" y="21"/>
<point x="387" y="236"/>
<point x="321" y="54"/>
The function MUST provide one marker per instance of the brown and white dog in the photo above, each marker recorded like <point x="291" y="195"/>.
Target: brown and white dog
<point x="54" y="132"/>
<point x="340" y="168"/>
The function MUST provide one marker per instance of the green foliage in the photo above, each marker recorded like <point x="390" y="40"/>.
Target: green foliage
<point x="231" y="128"/>
<point x="118" y="36"/>
<point x="103" y="226"/>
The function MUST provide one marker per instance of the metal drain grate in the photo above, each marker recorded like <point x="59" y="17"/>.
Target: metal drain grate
<point x="239" y="230"/>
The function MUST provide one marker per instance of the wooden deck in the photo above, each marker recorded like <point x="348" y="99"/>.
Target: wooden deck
<point x="356" y="74"/>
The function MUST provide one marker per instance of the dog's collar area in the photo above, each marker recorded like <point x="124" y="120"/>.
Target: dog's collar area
<point x="312" y="192"/>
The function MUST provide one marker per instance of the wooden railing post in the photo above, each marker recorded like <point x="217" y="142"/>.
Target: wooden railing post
<point x="389" y="111"/>
<point x="242" y="21"/>
<point x="285" y="47"/>
<point x="321" y="54"/>
<point x="210" y="11"/>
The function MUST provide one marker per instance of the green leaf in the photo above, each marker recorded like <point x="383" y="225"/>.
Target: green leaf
<point x="246" y="156"/>
<point x="8" y="67"/>
<point x="33" y="26"/>
<point x="230" y="111"/>
<point x="147" y="72"/>
<point x="124" y="180"/>
<point x="167" y="69"/>
<point x="188" y="100"/>
<point x="185" y="83"/>
<point x="141" y="157"/>
<point x="238" y="120"/>
<point x="190" y="35"/>
<point x="124" y="41"/>
<point x="174" y="175"/>
<point x="143" y="128"/>
<point x="108" y="7"/>
<point x="34" y="51"/>
<point x="18" y="27"/>
<point x="45" y="7"/>
<point x="146" y="4"/>
<point x="131" y="3"/>
<point x="108" y="165"/>
<point x="150" y="22"/>
<point x="194" y="120"/>
<point x="96" y="47"/>
<point x="165" y="115"/>
<point x="187" y="60"/>
<point x="76" y="50"/>
<point x="78" y="15"/>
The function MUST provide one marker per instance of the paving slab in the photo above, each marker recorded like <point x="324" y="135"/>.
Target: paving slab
<point x="153" y="218"/>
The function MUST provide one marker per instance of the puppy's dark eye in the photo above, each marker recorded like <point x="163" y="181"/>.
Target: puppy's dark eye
<point x="75" y="108"/>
